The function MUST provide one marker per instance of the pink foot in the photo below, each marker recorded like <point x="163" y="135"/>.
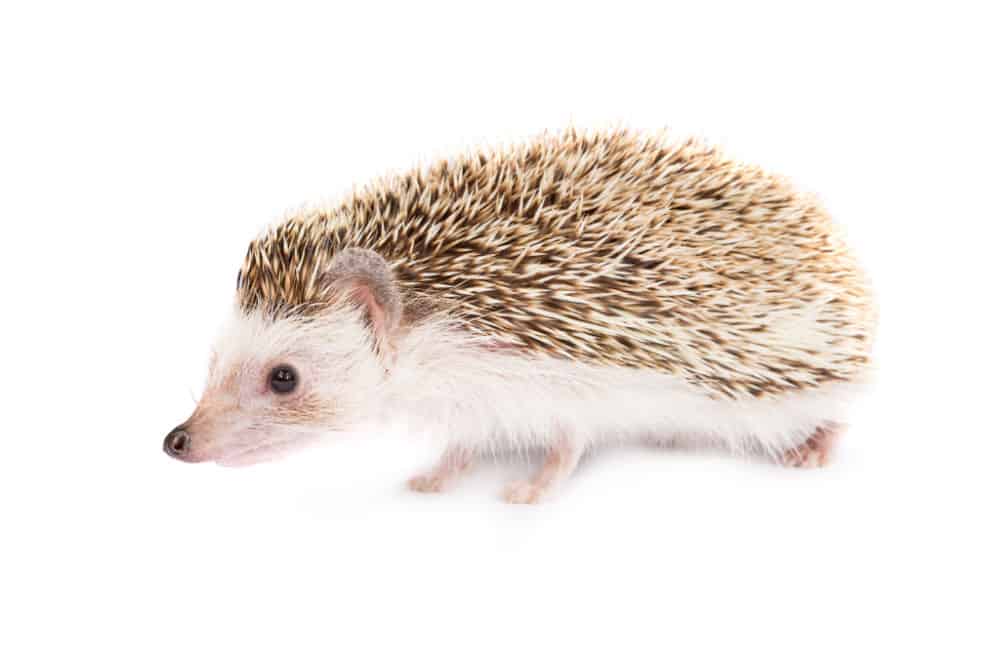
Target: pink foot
<point x="523" y="493"/>
<point x="429" y="483"/>
<point x="814" y="452"/>
<point x="453" y="463"/>
<point x="560" y="462"/>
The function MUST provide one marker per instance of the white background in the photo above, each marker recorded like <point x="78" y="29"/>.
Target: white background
<point x="142" y="147"/>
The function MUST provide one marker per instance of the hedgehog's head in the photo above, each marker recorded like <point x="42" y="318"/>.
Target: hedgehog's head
<point x="279" y="376"/>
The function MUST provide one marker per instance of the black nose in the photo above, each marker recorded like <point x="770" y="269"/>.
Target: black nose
<point x="177" y="442"/>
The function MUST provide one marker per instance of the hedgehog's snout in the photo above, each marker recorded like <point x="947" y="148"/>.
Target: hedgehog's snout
<point x="177" y="443"/>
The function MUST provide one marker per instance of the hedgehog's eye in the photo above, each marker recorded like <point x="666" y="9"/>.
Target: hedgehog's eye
<point x="283" y="379"/>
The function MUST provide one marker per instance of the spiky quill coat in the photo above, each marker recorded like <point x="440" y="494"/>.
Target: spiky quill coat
<point x="613" y="249"/>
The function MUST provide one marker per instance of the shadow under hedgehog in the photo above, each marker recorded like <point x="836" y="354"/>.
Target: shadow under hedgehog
<point x="576" y="289"/>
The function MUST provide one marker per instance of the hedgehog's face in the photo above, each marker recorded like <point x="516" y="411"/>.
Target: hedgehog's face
<point x="276" y="382"/>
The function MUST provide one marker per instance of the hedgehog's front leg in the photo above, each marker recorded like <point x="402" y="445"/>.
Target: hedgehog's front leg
<point x="560" y="462"/>
<point x="452" y="463"/>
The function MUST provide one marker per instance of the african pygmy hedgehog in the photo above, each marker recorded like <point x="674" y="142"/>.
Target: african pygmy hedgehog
<point x="572" y="290"/>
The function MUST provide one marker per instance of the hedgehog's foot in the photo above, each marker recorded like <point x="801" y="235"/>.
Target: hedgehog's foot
<point x="560" y="462"/>
<point x="814" y="452"/>
<point x="452" y="463"/>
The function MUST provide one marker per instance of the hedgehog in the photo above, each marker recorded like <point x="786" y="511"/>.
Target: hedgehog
<point x="571" y="290"/>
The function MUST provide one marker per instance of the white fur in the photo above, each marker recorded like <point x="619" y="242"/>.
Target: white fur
<point x="473" y="395"/>
<point x="486" y="399"/>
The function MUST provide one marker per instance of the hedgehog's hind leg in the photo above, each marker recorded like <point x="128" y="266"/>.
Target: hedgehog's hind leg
<point x="560" y="462"/>
<point x="454" y="462"/>
<point x="815" y="452"/>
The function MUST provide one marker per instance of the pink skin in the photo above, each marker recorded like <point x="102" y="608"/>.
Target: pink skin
<point x="219" y="438"/>
<point x="240" y="421"/>
<point x="453" y="463"/>
<point x="260" y="454"/>
<point x="382" y="322"/>
<point x="560" y="462"/>
<point x="814" y="452"/>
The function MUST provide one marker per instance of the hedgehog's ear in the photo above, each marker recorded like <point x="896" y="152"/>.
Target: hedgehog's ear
<point x="365" y="277"/>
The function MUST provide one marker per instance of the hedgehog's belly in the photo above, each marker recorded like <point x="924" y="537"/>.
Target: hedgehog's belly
<point x="491" y="398"/>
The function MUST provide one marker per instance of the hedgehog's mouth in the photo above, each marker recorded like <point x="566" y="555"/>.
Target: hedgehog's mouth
<point x="263" y="453"/>
<point x="248" y="456"/>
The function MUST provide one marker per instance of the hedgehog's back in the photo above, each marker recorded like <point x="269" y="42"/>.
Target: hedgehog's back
<point x="610" y="248"/>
